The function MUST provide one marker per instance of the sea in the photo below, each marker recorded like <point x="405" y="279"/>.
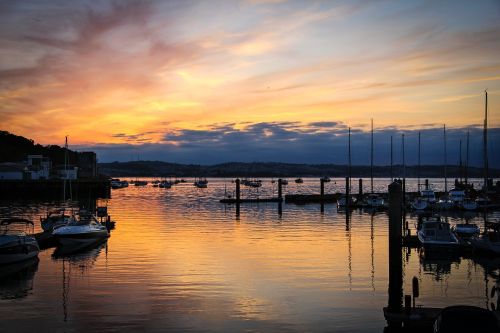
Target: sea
<point x="178" y="260"/>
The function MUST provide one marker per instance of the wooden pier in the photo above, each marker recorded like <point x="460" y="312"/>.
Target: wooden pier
<point x="54" y="188"/>
<point x="238" y="200"/>
<point x="249" y="200"/>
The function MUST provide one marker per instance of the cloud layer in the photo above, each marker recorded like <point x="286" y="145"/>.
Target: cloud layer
<point x="266" y="73"/>
<point x="315" y="143"/>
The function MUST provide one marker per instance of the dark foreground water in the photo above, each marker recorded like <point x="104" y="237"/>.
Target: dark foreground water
<point x="180" y="261"/>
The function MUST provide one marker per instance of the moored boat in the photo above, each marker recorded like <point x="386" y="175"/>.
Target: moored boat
<point x="55" y="219"/>
<point x="17" y="242"/>
<point x="489" y="240"/>
<point x="86" y="229"/>
<point x="435" y="233"/>
<point x="469" y="204"/>
<point x="466" y="229"/>
<point x="374" y="201"/>
<point x="419" y="204"/>
<point x="201" y="183"/>
<point x="299" y="180"/>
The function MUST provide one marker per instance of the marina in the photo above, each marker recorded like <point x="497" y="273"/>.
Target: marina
<point x="345" y="260"/>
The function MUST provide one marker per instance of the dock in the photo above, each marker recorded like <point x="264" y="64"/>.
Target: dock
<point x="249" y="200"/>
<point x="418" y="319"/>
<point x="54" y="188"/>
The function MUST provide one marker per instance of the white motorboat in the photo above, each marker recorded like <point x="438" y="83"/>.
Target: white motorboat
<point x="434" y="233"/>
<point x="374" y="201"/>
<point x="456" y="197"/>
<point x="17" y="242"/>
<point x="86" y="229"/>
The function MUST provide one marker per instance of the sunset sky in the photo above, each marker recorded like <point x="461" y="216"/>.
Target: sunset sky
<point x="256" y="80"/>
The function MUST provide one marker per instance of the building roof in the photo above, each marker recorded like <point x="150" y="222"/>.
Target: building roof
<point x="12" y="167"/>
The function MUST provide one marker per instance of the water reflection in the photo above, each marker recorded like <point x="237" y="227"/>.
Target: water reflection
<point x="16" y="280"/>
<point x="80" y="257"/>
<point x="179" y="260"/>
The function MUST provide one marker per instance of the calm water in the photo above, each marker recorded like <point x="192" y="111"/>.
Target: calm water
<point x="180" y="261"/>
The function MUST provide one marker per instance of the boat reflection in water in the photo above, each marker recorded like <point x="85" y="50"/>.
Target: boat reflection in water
<point x="16" y="279"/>
<point x="82" y="257"/>
<point x="438" y="262"/>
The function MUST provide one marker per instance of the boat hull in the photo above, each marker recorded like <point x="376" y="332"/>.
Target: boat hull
<point x="16" y="251"/>
<point x="81" y="238"/>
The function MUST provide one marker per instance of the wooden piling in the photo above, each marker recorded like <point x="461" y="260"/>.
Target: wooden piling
<point x="395" y="255"/>
<point x="322" y="187"/>
<point x="360" y="189"/>
<point x="238" y="191"/>
<point x="280" y="190"/>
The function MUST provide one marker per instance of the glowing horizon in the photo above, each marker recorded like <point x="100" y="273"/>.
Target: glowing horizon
<point x="135" y="72"/>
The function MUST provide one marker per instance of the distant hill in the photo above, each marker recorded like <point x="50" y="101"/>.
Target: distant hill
<point x="14" y="148"/>
<point x="270" y="169"/>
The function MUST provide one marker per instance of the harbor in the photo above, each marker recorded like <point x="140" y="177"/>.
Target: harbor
<point x="345" y="252"/>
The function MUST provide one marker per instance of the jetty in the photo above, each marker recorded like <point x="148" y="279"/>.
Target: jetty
<point x="238" y="199"/>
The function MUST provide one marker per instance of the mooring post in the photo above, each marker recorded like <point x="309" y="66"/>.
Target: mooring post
<point x="280" y="209"/>
<point x="347" y="193"/>
<point x="395" y="255"/>
<point x="427" y="184"/>
<point x="322" y="188"/>
<point x="237" y="182"/>
<point x="360" y="189"/>
<point x="280" y="192"/>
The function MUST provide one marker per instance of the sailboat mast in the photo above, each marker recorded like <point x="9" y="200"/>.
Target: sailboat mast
<point x="404" y="167"/>
<point x="392" y="175"/>
<point x="404" y="162"/>
<point x="445" y="161"/>
<point x="65" y="167"/>
<point x="485" y="141"/>
<point x="418" y="169"/>
<point x="349" y="158"/>
<point x="371" y="161"/>
<point x="467" y="160"/>
<point x="460" y="162"/>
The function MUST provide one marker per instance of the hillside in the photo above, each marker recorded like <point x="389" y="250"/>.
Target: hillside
<point x="14" y="148"/>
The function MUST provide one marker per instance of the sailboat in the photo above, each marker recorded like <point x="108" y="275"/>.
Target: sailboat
<point x="373" y="200"/>
<point x="59" y="218"/>
<point x="345" y="201"/>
